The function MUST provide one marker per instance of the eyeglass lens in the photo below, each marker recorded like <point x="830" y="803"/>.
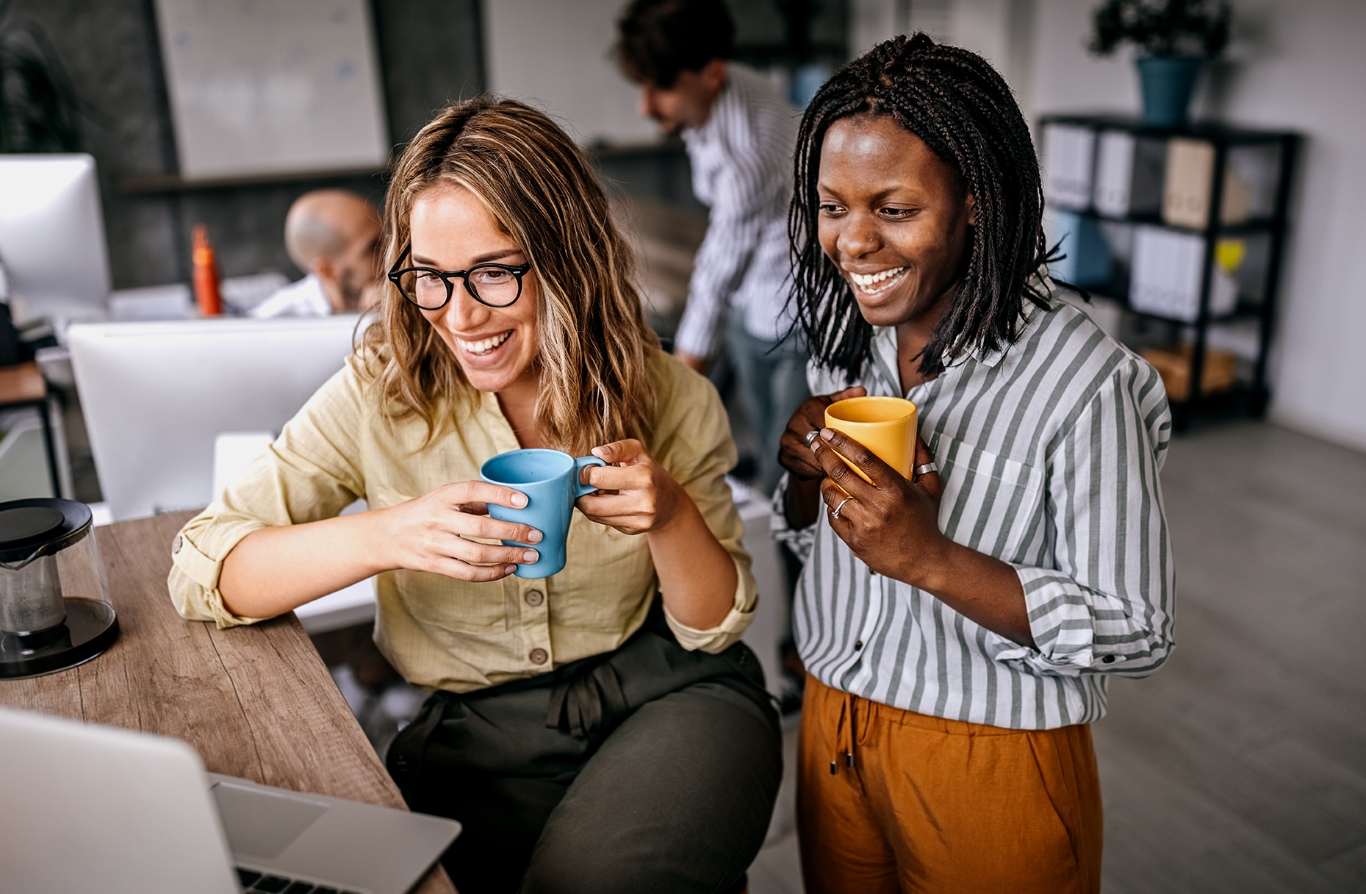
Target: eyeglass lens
<point x="494" y="286"/>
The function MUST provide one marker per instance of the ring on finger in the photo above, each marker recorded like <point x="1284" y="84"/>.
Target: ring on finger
<point x="835" y="513"/>
<point x="812" y="436"/>
<point x="926" y="469"/>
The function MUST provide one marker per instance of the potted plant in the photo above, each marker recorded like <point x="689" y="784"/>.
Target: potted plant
<point x="1174" y="39"/>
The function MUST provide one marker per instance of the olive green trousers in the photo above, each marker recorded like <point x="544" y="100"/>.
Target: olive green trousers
<point x="648" y="769"/>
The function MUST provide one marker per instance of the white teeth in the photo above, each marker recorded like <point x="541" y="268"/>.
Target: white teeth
<point x="488" y="344"/>
<point x="866" y="280"/>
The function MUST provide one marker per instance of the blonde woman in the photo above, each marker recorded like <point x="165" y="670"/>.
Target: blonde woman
<point x="601" y="729"/>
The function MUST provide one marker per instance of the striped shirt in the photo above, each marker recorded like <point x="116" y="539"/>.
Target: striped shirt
<point x="742" y="170"/>
<point x="1049" y="453"/>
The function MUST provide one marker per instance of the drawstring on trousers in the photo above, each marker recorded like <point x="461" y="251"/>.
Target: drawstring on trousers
<point x="847" y="730"/>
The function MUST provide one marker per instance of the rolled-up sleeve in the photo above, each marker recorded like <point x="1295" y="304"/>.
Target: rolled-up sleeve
<point x="310" y="472"/>
<point x="1108" y="604"/>
<point x="696" y="447"/>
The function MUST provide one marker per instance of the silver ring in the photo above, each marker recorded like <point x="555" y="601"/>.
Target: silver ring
<point x="926" y="469"/>
<point x="835" y="513"/>
<point x="812" y="435"/>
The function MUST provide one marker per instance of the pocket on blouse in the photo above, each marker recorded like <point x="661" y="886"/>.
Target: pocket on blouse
<point x="991" y="503"/>
<point x="456" y="605"/>
<point x="444" y="602"/>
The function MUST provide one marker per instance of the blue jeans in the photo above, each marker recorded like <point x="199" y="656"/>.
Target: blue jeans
<point x="772" y="384"/>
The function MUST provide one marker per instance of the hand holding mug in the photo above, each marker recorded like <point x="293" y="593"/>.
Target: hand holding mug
<point x="644" y="498"/>
<point x="434" y="533"/>
<point x="889" y="521"/>
<point x="794" y="447"/>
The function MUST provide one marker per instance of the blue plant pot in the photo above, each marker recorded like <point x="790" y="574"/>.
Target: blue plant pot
<point x="1167" y="82"/>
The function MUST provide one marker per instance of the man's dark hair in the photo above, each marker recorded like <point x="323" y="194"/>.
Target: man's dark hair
<point x="659" y="39"/>
<point x="955" y="102"/>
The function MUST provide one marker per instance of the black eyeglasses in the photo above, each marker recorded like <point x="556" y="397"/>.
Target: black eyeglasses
<point x="493" y="285"/>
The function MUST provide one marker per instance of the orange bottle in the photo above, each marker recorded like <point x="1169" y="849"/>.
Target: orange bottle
<point x="206" y="293"/>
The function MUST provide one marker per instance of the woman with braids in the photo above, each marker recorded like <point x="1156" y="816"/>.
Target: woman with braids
<point x="959" y="628"/>
<point x="598" y="730"/>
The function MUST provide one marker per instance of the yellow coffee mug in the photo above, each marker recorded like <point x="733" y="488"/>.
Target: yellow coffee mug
<point x="885" y="425"/>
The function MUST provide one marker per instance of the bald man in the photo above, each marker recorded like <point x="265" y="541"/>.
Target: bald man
<point x="334" y="235"/>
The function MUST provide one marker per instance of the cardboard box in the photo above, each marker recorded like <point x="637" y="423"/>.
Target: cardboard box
<point x="1186" y="188"/>
<point x="1174" y="366"/>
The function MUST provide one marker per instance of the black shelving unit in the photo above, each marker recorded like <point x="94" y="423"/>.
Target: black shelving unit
<point x="1222" y="139"/>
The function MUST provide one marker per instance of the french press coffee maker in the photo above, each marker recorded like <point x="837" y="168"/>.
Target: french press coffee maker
<point x="54" y="599"/>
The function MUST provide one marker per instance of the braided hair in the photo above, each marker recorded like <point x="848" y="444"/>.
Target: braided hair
<point x="955" y="102"/>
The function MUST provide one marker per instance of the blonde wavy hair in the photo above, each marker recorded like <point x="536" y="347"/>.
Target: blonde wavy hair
<point x="543" y="193"/>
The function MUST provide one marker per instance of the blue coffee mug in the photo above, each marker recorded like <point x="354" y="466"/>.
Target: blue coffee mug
<point x="550" y="480"/>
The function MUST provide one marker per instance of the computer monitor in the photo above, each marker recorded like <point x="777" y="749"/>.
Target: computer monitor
<point x="52" y="237"/>
<point x="156" y="395"/>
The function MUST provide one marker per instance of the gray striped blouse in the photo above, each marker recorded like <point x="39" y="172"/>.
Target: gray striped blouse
<point x="1049" y="453"/>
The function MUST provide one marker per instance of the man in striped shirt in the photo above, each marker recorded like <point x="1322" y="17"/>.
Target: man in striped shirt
<point x="739" y="134"/>
<point x="958" y="628"/>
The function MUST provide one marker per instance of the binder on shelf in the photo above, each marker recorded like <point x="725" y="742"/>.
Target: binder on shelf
<point x="1069" y="157"/>
<point x="1087" y="261"/>
<point x="1187" y="187"/>
<point x="1165" y="279"/>
<point x="1128" y="177"/>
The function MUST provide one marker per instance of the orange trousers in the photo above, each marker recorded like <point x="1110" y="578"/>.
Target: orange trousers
<point x="893" y="801"/>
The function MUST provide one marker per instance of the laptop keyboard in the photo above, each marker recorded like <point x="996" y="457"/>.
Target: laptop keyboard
<point x="261" y="883"/>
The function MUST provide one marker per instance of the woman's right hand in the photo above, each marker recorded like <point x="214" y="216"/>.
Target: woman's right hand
<point x="801" y="502"/>
<point x="794" y="451"/>
<point x="435" y="532"/>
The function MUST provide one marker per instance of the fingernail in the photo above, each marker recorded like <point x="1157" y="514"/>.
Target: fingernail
<point x="529" y="556"/>
<point x="510" y="569"/>
<point x="828" y="434"/>
<point x="519" y="500"/>
<point x="534" y="536"/>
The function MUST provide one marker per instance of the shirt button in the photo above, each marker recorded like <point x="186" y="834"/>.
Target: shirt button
<point x="539" y="656"/>
<point x="176" y="544"/>
<point x="534" y="598"/>
<point x="858" y="644"/>
<point x="1108" y="659"/>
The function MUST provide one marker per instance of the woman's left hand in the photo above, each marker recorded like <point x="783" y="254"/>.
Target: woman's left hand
<point x="891" y="524"/>
<point x="646" y="496"/>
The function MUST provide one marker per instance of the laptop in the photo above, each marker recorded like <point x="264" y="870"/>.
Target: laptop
<point x="96" y="808"/>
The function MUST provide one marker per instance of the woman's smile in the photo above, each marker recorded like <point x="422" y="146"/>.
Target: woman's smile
<point x="484" y="347"/>
<point x="876" y="283"/>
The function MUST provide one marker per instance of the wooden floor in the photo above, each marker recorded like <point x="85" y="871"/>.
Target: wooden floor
<point x="1241" y="765"/>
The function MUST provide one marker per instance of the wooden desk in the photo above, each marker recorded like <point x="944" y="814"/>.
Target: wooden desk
<point x="23" y="386"/>
<point x="255" y="702"/>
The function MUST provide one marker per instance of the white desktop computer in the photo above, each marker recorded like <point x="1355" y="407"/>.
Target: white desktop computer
<point x="52" y="246"/>
<point x="156" y="395"/>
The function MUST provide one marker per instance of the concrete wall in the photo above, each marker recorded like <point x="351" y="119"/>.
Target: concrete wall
<point x="429" y="54"/>
<point x="1295" y="66"/>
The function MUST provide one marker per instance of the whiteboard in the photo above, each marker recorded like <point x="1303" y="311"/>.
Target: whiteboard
<point x="261" y="87"/>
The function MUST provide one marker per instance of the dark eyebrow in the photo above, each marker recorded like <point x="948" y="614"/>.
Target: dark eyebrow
<point x="878" y="197"/>
<point x="482" y="259"/>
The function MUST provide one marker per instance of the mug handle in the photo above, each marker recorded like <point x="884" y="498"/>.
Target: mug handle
<point x="583" y="462"/>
